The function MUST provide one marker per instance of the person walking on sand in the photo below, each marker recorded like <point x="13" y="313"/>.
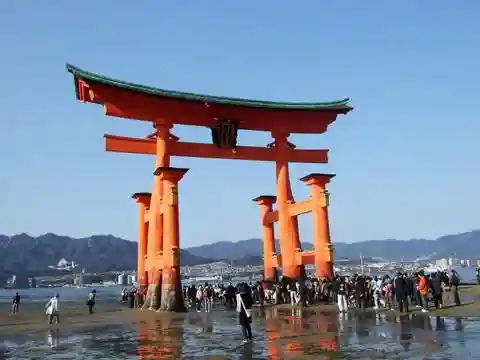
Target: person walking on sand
<point x="52" y="309"/>
<point x="199" y="298"/>
<point x="377" y="285"/>
<point x="454" y="283"/>
<point x="91" y="300"/>
<point x="401" y="292"/>
<point x="423" y="287"/>
<point x="244" y="310"/>
<point x="131" y="298"/>
<point x="16" y="303"/>
<point x="342" y="295"/>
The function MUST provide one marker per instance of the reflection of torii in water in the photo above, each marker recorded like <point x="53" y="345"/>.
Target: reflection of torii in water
<point x="159" y="337"/>
<point x="295" y="333"/>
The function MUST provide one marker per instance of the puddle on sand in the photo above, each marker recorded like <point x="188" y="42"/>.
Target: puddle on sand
<point x="278" y="334"/>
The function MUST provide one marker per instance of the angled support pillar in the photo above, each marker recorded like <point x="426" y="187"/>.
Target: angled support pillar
<point x="143" y="202"/>
<point x="172" y="294"/>
<point x="265" y="202"/>
<point x="321" y="227"/>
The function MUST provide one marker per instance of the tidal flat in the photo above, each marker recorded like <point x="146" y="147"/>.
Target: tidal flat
<point x="280" y="332"/>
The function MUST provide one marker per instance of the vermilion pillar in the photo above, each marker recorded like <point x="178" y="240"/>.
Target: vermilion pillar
<point x="143" y="201"/>
<point x="288" y="225"/>
<point x="155" y="225"/>
<point x="265" y="203"/>
<point x="172" y="295"/>
<point x="321" y="226"/>
<point x="155" y="235"/>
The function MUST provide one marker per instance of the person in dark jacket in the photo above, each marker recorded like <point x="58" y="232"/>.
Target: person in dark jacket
<point x="16" y="303"/>
<point x="230" y="296"/>
<point x="244" y="310"/>
<point x="454" y="283"/>
<point x="410" y="288"/>
<point x="436" y="287"/>
<point x="360" y="292"/>
<point x="401" y="291"/>
<point x="131" y="298"/>
<point x="91" y="300"/>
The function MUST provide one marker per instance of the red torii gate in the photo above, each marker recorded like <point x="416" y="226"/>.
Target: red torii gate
<point x="158" y="242"/>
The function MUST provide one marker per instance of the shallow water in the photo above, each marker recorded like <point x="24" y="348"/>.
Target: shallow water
<point x="67" y="294"/>
<point x="278" y="334"/>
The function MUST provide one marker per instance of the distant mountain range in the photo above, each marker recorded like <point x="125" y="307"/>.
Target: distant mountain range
<point x="106" y="252"/>
<point x="96" y="253"/>
<point x="463" y="246"/>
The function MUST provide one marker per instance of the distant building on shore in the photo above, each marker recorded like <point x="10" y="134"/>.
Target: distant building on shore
<point x="3" y="281"/>
<point x="442" y="263"/>
<point x="122" y="280"/>
<point x="86" y="279"/>
<point x="20" y="282"/>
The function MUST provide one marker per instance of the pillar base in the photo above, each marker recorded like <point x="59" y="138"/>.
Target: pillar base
<point x="270" y="274"/>
<point x="172" y="294"/>
<point x="293" y="272"/>
<point x="152" y="301"/>
<point x="324" y="269"/>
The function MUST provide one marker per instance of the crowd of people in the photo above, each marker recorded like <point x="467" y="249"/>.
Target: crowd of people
<point x="358" y="291"/>
<point x="417" y="289"/>
<point x="131" y="297"/>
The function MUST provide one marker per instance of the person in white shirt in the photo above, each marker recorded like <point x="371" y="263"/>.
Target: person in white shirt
<point x="199" y="298"/>
<point x="291" y="288"/>
<point x="377" y="285"/>
<point x="52" y="309"/>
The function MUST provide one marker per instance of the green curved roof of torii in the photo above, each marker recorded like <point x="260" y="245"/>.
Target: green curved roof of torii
<point x="342" y="106"/>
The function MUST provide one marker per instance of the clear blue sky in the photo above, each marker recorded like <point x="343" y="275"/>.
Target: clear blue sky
<point x="406" y="158"/>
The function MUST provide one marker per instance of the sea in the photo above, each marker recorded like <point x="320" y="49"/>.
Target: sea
<point x="278" y="334"/>
<point x="467" y="275"/>
<point x="67" y="294"/>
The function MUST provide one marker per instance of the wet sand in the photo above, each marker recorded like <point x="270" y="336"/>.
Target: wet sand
<point x="108" y="311"/>
<point x="280" y="332"/>
<point x="32" y="316"/>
